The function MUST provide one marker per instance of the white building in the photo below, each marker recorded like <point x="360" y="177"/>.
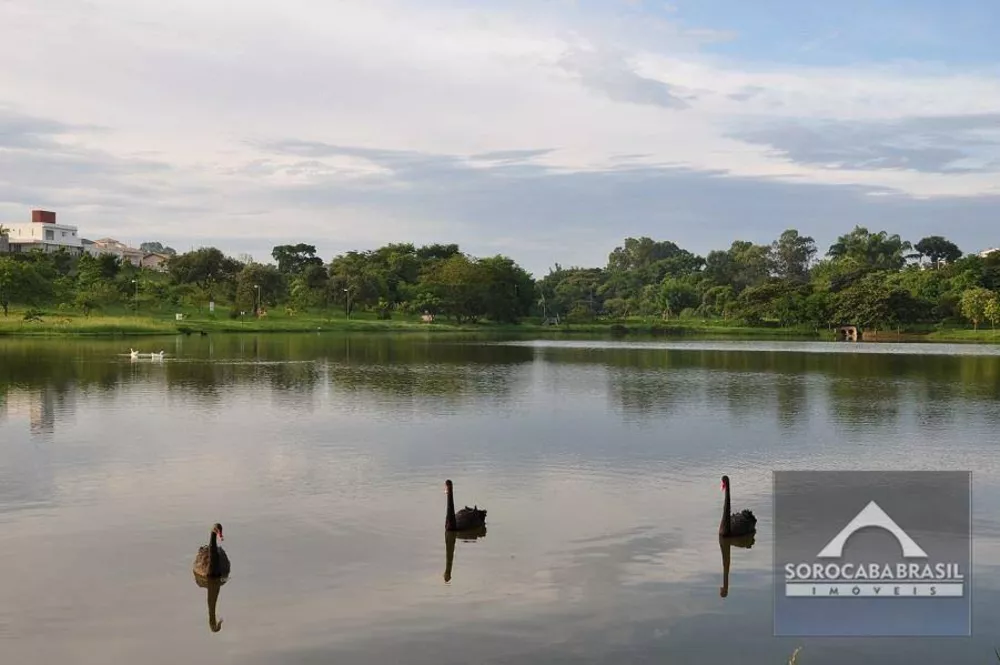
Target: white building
<point x="986" y="252"/>
<point x="43" y="233"/>
<point x="112" y="246"/>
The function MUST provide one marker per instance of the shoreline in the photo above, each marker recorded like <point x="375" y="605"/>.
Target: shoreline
<point x="56" y="325"/>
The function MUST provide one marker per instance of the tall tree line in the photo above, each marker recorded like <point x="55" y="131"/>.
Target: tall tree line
<point x="874" y="279"/>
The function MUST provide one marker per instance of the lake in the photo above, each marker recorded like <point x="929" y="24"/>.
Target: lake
<point x="324" y="457"/>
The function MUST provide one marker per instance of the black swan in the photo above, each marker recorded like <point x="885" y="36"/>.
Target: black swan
<point x="211" y="561"/>
<point x="735" y="524"/>
<point x="466" y="519"/>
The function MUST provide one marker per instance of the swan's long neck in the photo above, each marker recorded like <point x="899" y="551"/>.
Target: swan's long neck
<point x="449" y="520"/>
<point x="213" y="555"/>
<point x="727" y="523"/>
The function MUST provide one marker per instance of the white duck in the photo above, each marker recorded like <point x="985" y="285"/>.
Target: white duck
<point x="157" y="356"/>
<point x="134" y="353"/>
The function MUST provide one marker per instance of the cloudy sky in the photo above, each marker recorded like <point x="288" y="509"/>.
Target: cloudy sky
<point x="547" y="130"/>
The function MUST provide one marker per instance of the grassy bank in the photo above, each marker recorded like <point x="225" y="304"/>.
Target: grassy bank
<point x="962" y="335"/>
<point x="56" y="323"/>
<point x="60" y="323"/>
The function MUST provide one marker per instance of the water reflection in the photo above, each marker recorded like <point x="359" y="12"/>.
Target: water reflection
<point x="469" y="536"/>
<point x="650" y="384"/>
<point x="42" y="407"/>
<point x="791" y="401"/>
<point x="213" y="587"/>
<point x="725" y="546"/>
<point x="644" y="382"/>
<point x="602" y="464"/>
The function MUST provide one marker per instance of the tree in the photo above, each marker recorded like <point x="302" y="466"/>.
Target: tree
<point x="20" y="282"/>
<point x="302" y="297"/>
<point x="775" y="300"/>
<point x="681" y="264"/>
<point x="564" y="289"/>
<point x="437" y="252"/>
<point x="294" y="259"/>
<point x="157" y="248"/>
<point x="104" y="267"/>
<point x="864" y="278"/>
<point x="743" y="265"/>
<point x="867" y="302"/>
<point x="309" y="288"/>
<point x="938" y="249"/>
<point x="905" y="308"/>
<point x="791" y="255"/>
<point x="207" y="267"/>
<point x="992" y="311"/>
<point x="864" y="250"/>
<point x="459" y="285"/>
<point x="399" y="267"/>
<point x="637" y="253"/>
<point x="974" y="304"/>
<point x="62" y="261"/>
<point x="271" y="285"/>
<point x="95" y="295"/>
<point x="717" y="301"/>
<point x="750" y="262"/>
<point x="510" y="291"/>
<point x="818" y="308"/>
<point x="719" y="267"/>
<point x="676" y="295"/>
<point x="356" y="281"/>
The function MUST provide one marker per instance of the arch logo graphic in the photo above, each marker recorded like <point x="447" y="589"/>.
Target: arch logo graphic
<point x="872" y="553"/>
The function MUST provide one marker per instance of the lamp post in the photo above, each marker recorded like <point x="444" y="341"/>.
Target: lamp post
<point x="257" y="301"/>
<point x="348" y="292"/>
<point x="136" y="282"/>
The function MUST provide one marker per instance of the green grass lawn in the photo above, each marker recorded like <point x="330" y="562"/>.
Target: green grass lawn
<point x="56" y="321"/>
<point x="964" y="335"/>
<point x="60" y="322"/>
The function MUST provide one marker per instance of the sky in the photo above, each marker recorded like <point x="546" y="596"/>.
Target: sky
<point x="546" y="130"/>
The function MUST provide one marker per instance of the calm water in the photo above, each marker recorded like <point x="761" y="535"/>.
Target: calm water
<point x="324" y="458"/>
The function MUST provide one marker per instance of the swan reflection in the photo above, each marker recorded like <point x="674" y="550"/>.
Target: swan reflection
<point x="213" y="585"/>
<point x="450" y="537"/>
<point x="726" y="545"/>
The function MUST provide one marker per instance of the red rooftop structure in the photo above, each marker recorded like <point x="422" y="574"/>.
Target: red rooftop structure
<point x="43" y="217"/>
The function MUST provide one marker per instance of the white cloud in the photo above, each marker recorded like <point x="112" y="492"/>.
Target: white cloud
<point x="203" y="90"/>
